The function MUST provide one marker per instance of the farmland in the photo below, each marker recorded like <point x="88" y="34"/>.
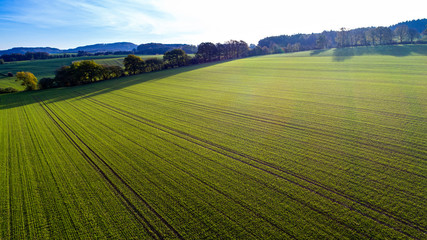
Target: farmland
<point x="47" y="68"/>
<point x="313" y="145"/>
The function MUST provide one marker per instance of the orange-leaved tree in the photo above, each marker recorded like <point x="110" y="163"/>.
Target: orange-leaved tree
<point x="28" y="80"/>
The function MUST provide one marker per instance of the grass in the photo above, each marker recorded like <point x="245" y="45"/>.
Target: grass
<point x="118" y="61"/>
<point x="41" y="68"/>
<point x="279" y="146"/>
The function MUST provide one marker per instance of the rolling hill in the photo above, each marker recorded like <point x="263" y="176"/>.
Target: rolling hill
<point x="106" y="47"/>
<point x="146" y="49"/>
<point x="23" y="50"/>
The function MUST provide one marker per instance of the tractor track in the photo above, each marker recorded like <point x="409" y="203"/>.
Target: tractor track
<point x="129" y="205"/>
<point x="238" y="155"/>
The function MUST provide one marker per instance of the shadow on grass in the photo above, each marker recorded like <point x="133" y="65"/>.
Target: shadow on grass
<point x="14" y="100"/>
<point x="342" y="54"/>
<point x="317" y="52"/>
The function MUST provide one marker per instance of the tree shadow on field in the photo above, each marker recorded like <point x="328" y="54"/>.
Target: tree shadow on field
<point x="342" y="54"/>
<point x="14" y="100"/>
<point x="317" y="52"/>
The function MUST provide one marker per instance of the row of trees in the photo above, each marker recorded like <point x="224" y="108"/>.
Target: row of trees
<point x="171" y="59"/>
<point x="159" y="48"/>
<point x="375" y="36"/>
<point x="22" y="57"/>
<point x="343" y="38"/>
<point x="32" y="56"/>
<point x="87" y="71"/>
<point x="206" y="52"/>
<point x="79" y="73"/>
<point x="403" y="32"/>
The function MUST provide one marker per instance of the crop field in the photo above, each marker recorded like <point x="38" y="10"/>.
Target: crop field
<point x="314" y="145"/>
<point x="118" y="61"/>
<point x="47" y="68"/>
<point x="40" y="68"/>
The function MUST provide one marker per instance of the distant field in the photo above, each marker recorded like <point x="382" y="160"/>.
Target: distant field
<point x="118" y="61"/>
<point x="291" y="146"/>
<point x="47" y="68"/>
<point x="44" y="68"/>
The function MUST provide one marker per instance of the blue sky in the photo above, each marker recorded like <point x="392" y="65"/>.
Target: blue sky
<point x="70" y="23"/>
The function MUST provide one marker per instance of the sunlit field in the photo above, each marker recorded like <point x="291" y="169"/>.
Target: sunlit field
<point x="312" y="145"/>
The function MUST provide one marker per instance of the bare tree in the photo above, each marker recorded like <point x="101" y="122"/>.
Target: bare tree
<point x="413" y="34"/>
<point x="401" y="32"/>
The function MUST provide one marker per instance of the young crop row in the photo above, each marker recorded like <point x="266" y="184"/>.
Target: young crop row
<point x="249" y="149"/>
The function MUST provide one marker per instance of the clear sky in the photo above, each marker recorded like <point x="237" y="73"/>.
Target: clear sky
<point x="71" y="23"/>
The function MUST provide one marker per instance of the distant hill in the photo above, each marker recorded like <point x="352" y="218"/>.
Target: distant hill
<point x="24" y="50"/>
<point x="159" y="48"/>
<point x="110" y="47"/>
<point x="419" y="25"/>
<point x="149" y="48"/>
<point x="102" y="47"/>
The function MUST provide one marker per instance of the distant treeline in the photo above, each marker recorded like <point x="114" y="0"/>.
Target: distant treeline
<point x="397" y="34"/>
<point x="32" y="56"/>
<point x="13" y="57"/>
<point x="146" y="49"/>
<point x="159" y="48"/>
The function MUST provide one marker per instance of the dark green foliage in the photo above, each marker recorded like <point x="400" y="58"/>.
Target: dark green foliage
<point x="46" y="83"/>
<point x="65" y="76"/>
<point x="343" y="38"/>
<point x="307" y="41"/>
<point x="233" y="49"/>
<point x="419" y="25"/>
<point x="153" y="64"/>
<point x="1" y="61"/>
<point x="8" y="90"/>
<point x="109" y="72"/>
<point x="9" y="74"/>
<point x="321" y="42"/>
<point x="84" y="72"/>
<point x="258" y="51"/>
<point x="158" y="48"/>
<point x="27" y="56"/>
<point x="207" y="52"/>
<point x="133" y="64"/>
<point x="175" y="58"/>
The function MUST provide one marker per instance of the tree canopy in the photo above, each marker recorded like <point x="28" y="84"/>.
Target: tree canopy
<point x="28" y="80"/>
<point x="175" y="58"/>
<point x="133" y="64"/>
<point x="207" y="52"/>
<point x="82" y="72"/>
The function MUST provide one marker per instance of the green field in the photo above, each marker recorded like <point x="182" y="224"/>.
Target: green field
<point x="118" y="61"/>
<point x="314" y="145"/>
<point x="47" y="68"/>
<point x="40" y="68"/>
